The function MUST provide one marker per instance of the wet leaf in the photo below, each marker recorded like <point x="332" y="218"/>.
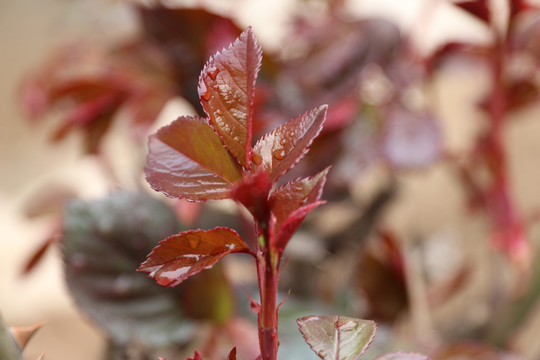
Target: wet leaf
<point x="104" y="242"/>
<point x="187" y="160"/>
<point x="279" y="150"/>
<point x="227" y="89"/>
<point x="180" y="256"/>
<point x="337" y="337"/>
<point x="292" y="202"/>
<point x="402" y="356"/>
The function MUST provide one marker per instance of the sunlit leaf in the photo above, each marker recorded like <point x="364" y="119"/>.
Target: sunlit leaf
<point x="187" y="160"/>
<point x="104" y="242"/>
<point x="337" y="337"/>
<point x="292" y="202"/>
<point x="279" y="150"/>
<point x="180" y="256"/>
<point x="226" y="90"/>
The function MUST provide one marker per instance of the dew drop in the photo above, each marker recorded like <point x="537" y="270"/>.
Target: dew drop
<point x="212" y="72"/>
<point x="257" y="159"/>
<point x="322" y="354"/>
<point x="283" y="141"/>
<point x="291" y="133"/>
<point x="203" y="91"/>
<point x="194" y="242"/>
<point x="279" y="154"/>
<point x="216" y="86"/>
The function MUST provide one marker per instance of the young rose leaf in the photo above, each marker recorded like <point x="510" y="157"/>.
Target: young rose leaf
<point x="292" y="202"/>
<point x="187" y="160"/>
<point x="279" y="150"/>
<point x="180" y="256"/>
<point x="253" y="192"/>
<point x="226" y="90"/>
<point x="337" y="337"/>
<point x="402" y="356"/>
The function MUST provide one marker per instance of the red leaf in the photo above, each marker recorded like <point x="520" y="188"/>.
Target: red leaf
<point x="293" y="222"/>
<point x="232" y="354"/>
<point x="180" y="256"/>
<point x="187" y="160"/>
<point x="292" y="202"/>
<point x="253" y="193"/>
<point x="280" y="150"/>
<point x="226" y="90"/>
<point x="478" y="8"/>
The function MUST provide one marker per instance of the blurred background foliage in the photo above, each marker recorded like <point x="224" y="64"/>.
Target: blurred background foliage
<point x="431" y="222"/>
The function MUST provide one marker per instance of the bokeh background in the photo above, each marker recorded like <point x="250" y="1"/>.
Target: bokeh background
<point x="430" y="204"/>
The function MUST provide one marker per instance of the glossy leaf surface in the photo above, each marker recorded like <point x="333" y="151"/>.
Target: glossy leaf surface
<point x="337" y="337"/>
<point x="226" y="90"/>
<point x="281" y="149"/>
<point x="103" y="243"/>
<point x="187" y="160"/>
<point x="180" y="256"/>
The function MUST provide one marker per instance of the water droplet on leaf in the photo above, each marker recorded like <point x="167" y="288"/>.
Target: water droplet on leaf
<point x="322" y="353"/>
<point x="279" y="154"/>
<point x="212" y="72"/>
<point x="257" y="159"/>
<point x="283" y="141"/>
<point x="203" y="91"/>
<point x="194" y="242"/>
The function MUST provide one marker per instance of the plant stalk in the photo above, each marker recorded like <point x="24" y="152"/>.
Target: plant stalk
<point x="268" y="276"/>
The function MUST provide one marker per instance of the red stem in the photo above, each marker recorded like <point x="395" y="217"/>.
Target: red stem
<point x="268" y="276"/>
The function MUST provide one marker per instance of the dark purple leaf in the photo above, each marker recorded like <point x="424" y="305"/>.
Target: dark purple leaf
<point x="180" y="256"/>
<point x="187" y="160"/>
<point x="226" y="91"/>
<point x="279" y="150"/>
<point x="337" y="337"/>
<point x="103" y="243"/>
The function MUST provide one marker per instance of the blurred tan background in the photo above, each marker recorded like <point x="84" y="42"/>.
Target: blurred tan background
<point x="31" y="29"/>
